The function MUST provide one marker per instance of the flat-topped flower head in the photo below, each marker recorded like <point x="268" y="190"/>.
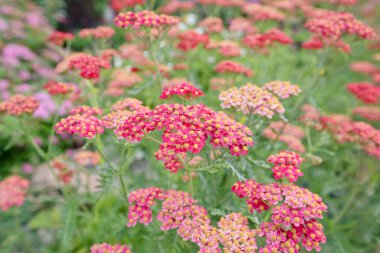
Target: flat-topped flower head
<point x="251" y="99"/>
<point x="84" y="125"/>
<point x="228" y="66"/>
<point x="12" y="192"/>
<point x="366" y="92"/>
<point x="147" y="19"/>
<point x="88" y="65"/>
<point x="171" y="159"/>
<point x="131" y="104"/>
<point x="59" y="38"/>
<point x="282" y="89"/>
<point x="99" y="32"/>
<point x="266" y="39"/>
<point x="108" y="248"/>
<point x="184" y="90"/>
<point x="58" y="88"/>
<point x="260" y="12"/>
<point x="114" y="119"/>
<point x="19" y="104"/>
<point x="191" y="39"/>
<point x="286" y="165"/>
<point x="370" y="113"/>
<point x="86" y="110"/>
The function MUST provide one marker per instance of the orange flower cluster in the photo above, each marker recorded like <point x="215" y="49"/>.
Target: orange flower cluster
<point x="58" y="88"/>
<point x="266" y="39"/>
<point x="99" y="32"/>
<point x="251" y="99"/>
<point x="228" y="66"/>
<point x="19" y="104"/>
<point x="145" y="18"/>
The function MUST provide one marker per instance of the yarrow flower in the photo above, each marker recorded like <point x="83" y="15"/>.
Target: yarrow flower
<point x="294" y="215"/>
<point x="266" y="39"/>
<point x="368" y="113"/>
<point x="12" y="192"/>
<point x="88" y="65"/>
<point x="228" y="66"/>
<point x="108" y="248"/>
<point x="59" y="38"/>
<point x="212" y="24"/>
<point x="98" y="32"/>
<point x="118" y="5"/>
<point x="19" y="104"/>
<point x="251" y="99"/>
<point x="82" y="122"/>
<point x="145" y="18"/>
<point x="229" y="48"/>
<point x="259" y="12"/>
<point x="87" y="158"/>
<point x="64" y="173"/>
<point x="182" y="90"/>
<point x="58" y="88"/>
<point x="286" y="165"/>
<point x="282" y="89"/>
<point x="131" y="104"/>
<point x="366" y="92"/>
<point x="186" y="128"/>
<point x="191" y="39"/>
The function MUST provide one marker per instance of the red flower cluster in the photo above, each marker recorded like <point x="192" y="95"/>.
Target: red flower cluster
<point x="143" y="19"/>
<point x="294" y="215"/>
<point x="98" y="32"/>
<point x="108" y="248"/>
<point x="368" y="113"/>
<point x="286" y="165"/>
<point x="233" y="67"/>
<point x="12" y="192"/>
<point x="259" y="12"/>
<point x="184" y="90"/>
<point x="58" y="88"/>
<point x="88" y="65"/>
<point x="266" y="39"/>
<point x="365" y="92"/>
<point x="190" y="39"/>
<point x="19" y="104"/>
<point x="82" y="122"/>
<point x="171" y="159"/>
<point x="59" y="38"/>
<point x="186" y="128"/>
<point x="118" y="5"/>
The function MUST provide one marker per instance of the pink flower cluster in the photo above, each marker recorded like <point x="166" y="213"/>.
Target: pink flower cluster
<point x="108" y="248"/>
<point x="186" y="128"/>
<point x="58" y="88"/>
<point x="286" y="165"/>
<point x="118" y="5"/>
<point x="294" y="214"/>
<point x="59" y="38"/>
<point x="98" y="32"/>
<point x="266" y="39"/>
<point x="291" y="135"/>
<point x="12" y="192"/>
<point x="228" y="66"/>
<point x="368" y="113"/>
<point x="190" y="39"/>
<point x="251" y="99"/>
<point x="260" y="12"/>
<point x="144" y="18"/>
<point x="88" y="65"/>
<point x="184" y="90"/>
<point x="19" y="104"/>
<point x="81" y="122"/>
<point x="366" y="92"/>
<point x="282" y="89"/>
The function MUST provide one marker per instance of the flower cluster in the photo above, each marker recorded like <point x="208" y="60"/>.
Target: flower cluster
<point x="291" y="135"/>
<point x="286" y="165"/>
<point x="212" y="24"/>
<point x="229" y="48"/>
<point x="63" y="172"/>
<point x="186" y="128"/>
<point x="190" y="39"/>
<point x="118" y="5"/>
<point x="266" y="39"/>
<point x="87" y="158"/>
<point x="171" y="159"/>
<point x="59" y="38"/>
<point x="81" y="122"/>
<point x="228" y="66"/>
<point x="58" y="88"/>
<point x="368" y="113"/>
<point x="259" y="12"/>
<point x="242" y="25"/>
<point x="251" y="99"/>
<point x="182" y="90"/>
<point x="282" y="89"/>
<point x="98" y="32"/>
<point x="88" y="65"/>
<point x="12" y="192"/>
<point x="143" y="19"/>
<point x="108" y="248"/>
<point x="19" y="104"/>
<point x="294" y="215"/>
<point x="365" y="92"/>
